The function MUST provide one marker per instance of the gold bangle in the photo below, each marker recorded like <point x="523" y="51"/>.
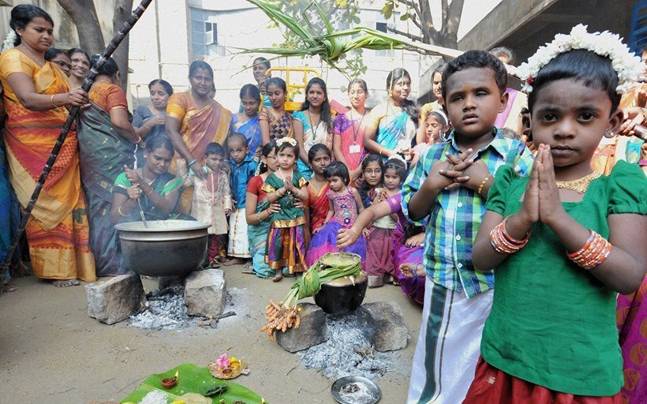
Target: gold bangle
<point x="120" y="212"/>
<point x="485" y="180"/>
<point x="51" y="101"/>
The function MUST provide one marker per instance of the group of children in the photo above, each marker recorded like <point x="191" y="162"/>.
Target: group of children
<point x="563" y="240"/>
<point x="270" y="213"/>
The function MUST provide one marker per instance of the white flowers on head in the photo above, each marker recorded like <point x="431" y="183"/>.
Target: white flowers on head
<point x="288" y="140"/>
<point x="627" y="66"/>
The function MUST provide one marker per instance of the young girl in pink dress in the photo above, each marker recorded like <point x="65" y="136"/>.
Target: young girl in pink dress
<point x="379" y="256"/>
<point x="344" y="206"/>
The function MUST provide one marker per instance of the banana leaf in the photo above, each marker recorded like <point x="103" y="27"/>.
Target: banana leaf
<point x="193" y="379"/>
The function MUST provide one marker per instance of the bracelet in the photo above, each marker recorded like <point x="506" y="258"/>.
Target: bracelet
<point x="120" y="212"/>
<point x="480" y="188"/>
<point x="503" y="243"/>
<point x="51" y="101"/>
<point x="593" y="253"/>
<point x="192" y="162"/>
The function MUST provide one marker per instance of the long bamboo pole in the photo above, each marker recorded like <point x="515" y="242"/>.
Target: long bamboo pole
<point x="65" y="130"/>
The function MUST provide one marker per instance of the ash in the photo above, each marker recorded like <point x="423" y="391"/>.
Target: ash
<point x="236" y="300"/>
<point x="165" y="311"/>
<point x="349" y="350"/>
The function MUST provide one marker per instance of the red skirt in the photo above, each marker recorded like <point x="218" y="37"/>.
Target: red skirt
<point x="491" y="385"/>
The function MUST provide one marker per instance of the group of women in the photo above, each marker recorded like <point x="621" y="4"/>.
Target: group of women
<point x="103" y="163"/>
<point x="70" y="233"/>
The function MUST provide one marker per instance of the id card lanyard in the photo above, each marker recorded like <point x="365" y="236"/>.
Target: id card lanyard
<point x="355" y="147"/>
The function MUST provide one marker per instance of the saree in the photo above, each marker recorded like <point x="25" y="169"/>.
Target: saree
<point x="257" y="233"/>
<point x="199" y="126"/>
<point x="250" y="129"/>
<point x="286" y="238"/>
<point x="163" y="185"/>
<point x="103" y="154"/>
<point x="9" y="215"/>
<point x="632" y="325"/>
<point x="318" y="205"/>
<point x="57" y="231"/>
<point x="631" y="313"/>
<point x="395" y="129"/>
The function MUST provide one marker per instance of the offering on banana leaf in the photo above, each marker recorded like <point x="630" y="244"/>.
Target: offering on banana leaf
<point x="285" y="315"/>
<point x="227" y="367"/>
<point x="195" y="385"/>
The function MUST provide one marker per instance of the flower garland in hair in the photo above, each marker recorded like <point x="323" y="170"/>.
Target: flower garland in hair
<point x="9" y="40"/>
<point x="289" y="140"/>
<point x="627" y="66"/>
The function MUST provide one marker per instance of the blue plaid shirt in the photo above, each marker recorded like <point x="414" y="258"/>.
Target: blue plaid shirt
<point x="455" y="217"/>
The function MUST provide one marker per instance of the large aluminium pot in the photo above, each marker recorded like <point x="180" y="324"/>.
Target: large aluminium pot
<point x="163" y="247"/>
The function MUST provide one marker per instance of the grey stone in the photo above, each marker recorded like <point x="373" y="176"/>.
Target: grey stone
<point x="204" y="293"/>
<point x="391" y="333"/>
<point x="114" y="299"/>
<point x="312" y="330"/>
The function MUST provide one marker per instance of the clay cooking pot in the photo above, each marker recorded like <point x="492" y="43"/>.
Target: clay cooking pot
<point x="342" y="296"/>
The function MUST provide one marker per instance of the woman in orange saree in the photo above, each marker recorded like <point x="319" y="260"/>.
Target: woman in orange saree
<point x="193" y="120"/>
<point x="36" y="93"/>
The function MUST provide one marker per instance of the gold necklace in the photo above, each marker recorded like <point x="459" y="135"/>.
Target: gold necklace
<point x="579" y="185"/>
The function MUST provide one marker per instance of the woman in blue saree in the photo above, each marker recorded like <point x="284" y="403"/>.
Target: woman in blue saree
<point x="390" y="127"/>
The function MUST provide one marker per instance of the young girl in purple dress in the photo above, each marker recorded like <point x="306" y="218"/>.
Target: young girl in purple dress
<point x="344" y="206"/>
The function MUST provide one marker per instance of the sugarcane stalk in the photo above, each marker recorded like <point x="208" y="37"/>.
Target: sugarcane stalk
<point x="65" y="130"/>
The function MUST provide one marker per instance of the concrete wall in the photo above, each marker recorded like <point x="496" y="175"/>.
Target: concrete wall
<point x="159" y="48"/>
<point x="524" y="25"/>
<point x="246" y="27"/>
<point x="505" y="18"/>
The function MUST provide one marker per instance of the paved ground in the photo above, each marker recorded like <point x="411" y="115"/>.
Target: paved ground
<point x="51" y="351"/>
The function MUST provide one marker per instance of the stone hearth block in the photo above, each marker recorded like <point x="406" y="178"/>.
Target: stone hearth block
<point x="114" y="299"/>
<point x="391" y="333"/>
<point x="204" y="293"/>
<point x="312" y="330"/>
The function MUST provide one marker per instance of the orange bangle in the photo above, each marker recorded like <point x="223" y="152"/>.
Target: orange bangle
<point x="503" y="243"/>
<point x="593" y="253"/>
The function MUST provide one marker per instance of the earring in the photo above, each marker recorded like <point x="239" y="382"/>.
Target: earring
<point x="609" y="134"/>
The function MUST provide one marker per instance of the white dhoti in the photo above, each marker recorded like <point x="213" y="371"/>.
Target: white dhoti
<point x="448" y="345"/>
<point x="238" y="240"/>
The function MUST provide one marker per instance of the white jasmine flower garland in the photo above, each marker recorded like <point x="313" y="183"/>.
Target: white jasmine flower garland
<point x="627" y="66"/>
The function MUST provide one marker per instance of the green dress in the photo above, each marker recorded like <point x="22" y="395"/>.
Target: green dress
<point x="553" y="323"/>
